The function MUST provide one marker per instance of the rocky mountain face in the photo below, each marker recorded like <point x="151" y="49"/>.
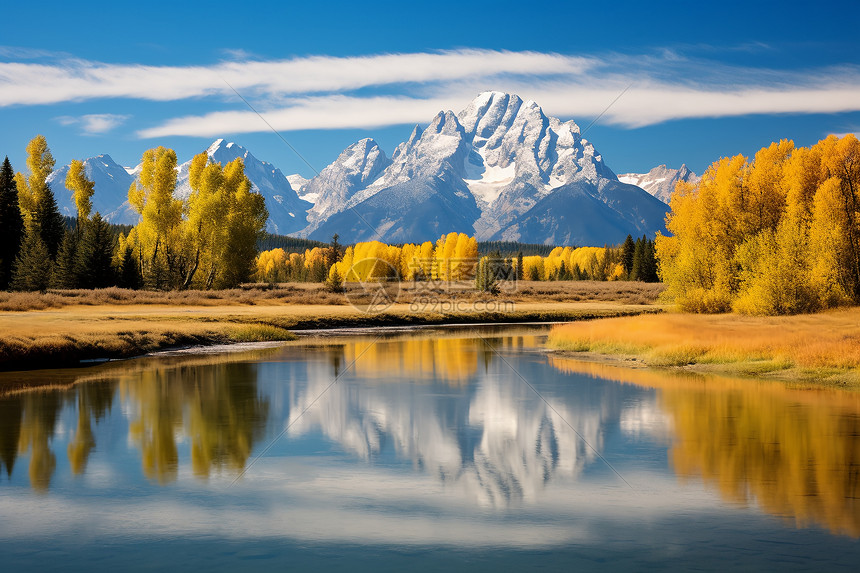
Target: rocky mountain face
<point x="660" y="181"/>
<point x="500" y="169"/>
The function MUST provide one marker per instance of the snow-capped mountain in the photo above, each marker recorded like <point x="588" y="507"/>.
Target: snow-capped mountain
<point x="111" y="189"/>
<point x="660" y="181"/>
<point x="334" y="187"/>
<point x="500" y="169"/>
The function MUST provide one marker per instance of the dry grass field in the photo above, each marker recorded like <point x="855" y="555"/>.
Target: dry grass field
<point x="64" y="327"/>
<point x="824" y="346"/>
<point x="635" y="293"/>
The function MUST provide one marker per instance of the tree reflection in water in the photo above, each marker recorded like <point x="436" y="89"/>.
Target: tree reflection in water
<point x="216" y="407"/>
<point x="793" y="453"/>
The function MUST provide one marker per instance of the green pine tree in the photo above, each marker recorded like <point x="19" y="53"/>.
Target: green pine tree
<point x="627" y="251"/>
<point x="334" y="253"/>
<point x="128" y="275"/>
<point x="649" y="263"/>
<point x="33" y="267"/>
<point x="485" y="278"/>
<point x="11" y="223"/>
<point x="51" y="223"/>
<point x="95" y="253"/>
<point x="66" y="272"/>
<point x="334" y="282"/>
<point x="637" y="270"/>
<point x="519" y="265"/>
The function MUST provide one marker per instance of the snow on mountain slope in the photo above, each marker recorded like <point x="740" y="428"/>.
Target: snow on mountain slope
<point x="492" y="165"/>
<point x="660" y="181"/>
<point x="297" y="182"/>
<point x="354" y="169"/>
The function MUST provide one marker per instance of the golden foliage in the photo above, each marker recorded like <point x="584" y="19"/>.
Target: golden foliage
<point x="776" y="235"/>
<point x="83" y="188"/>
<point x="208" y="240"/>
<point x="33" y="188"/>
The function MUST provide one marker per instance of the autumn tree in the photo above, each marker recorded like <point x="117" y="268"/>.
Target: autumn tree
<point x="82" y="189"/>
<point x="223" y="223"/>
<point x="35" y="198"/>
<point x="159" y="234"/>
<point x="776" y="235"/>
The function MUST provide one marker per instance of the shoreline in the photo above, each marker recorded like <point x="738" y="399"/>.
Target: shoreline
<point x="73" y="337"/>
<point x="813" y="351"/>
<point x="793" y="378"/>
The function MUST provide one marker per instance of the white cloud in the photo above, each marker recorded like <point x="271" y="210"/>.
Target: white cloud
<point x="96" y="123"/>
<point x="640" y="106"/>
<point x="323" y="92"/>
<point x="76" y="80"/>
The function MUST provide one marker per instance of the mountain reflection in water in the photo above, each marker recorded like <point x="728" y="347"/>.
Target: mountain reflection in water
<point x="446" y="408"/>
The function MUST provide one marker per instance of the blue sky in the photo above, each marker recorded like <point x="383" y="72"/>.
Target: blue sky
<point x="702" y="81"/>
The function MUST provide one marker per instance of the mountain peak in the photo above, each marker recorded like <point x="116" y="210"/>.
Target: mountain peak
<point x="216" y="145"/>
<point x="661" y="180"/>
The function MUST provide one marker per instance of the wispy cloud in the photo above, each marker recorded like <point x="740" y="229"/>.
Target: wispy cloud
<point x="96" y="123"/>
<point x="77" y="80"/>
<point x="323" y="92"/>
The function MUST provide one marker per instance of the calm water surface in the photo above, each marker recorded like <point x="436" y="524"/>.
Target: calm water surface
<point x="422" y="450"/>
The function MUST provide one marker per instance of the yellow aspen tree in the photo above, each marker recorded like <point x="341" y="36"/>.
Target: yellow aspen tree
<point x="407" y="261"/>
<point x="765" y="182"/>
<point x="160" y="216"/>
<point x="426" y="257"/>
<point x="841" y="159"/>
<point x="203" y="233"/>
<point x="245" y="222"/>
<point x="83" y="189"/>
<point x="33" y="188"/>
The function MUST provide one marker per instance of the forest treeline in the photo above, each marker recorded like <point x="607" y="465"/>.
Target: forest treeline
<point x="208" y="240"/>
<point x="455" y="256"/>
<point x="776" y="235"/>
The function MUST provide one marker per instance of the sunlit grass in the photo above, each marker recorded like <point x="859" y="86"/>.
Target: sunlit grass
<point x="634" y="293"/>
<point x="815" y="345"/>
<point x="65" y="335"/>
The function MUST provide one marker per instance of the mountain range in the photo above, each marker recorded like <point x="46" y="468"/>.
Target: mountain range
<point x="500" y="169"/>
<point x="660" y="181"/>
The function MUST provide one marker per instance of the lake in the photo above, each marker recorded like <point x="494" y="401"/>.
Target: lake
<point x="421" y="449"/>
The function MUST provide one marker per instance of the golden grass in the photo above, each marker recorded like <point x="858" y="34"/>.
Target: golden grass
<point x="71" y="333"/>
<point x="294" y="293"/>
<point x="811" y="346"/>
<point x="315" y="293"/>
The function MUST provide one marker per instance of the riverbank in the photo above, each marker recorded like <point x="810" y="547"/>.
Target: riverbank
<point x="67" y="335"/>
<point x="805" y="350"/>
